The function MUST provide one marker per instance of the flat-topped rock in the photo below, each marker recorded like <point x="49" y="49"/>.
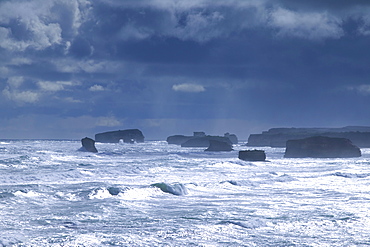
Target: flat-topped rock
<point x="128" y="136"/>
<point x="252" y="155"/>
<point x="204" y="141"/>
<point x="321" y="147"/>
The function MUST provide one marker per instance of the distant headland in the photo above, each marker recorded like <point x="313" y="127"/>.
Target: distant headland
<point x="278" y="137"/>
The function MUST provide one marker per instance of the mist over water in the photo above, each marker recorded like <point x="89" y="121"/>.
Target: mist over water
<point x="155" y="194"/>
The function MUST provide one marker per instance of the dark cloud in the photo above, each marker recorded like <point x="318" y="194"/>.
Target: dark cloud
<point x="80" y="48"/>
<point x="174" y="66"/>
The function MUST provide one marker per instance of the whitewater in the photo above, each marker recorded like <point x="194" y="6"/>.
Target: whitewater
<point x="52" y="194"/>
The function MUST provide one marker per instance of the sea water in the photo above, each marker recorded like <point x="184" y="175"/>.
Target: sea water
<point x="156" y="194"/>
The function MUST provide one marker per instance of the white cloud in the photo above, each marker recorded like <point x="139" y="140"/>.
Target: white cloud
<point x="38" y="24"/>
<point x="314" y="26"/>
<point x="188" y="87"/>
<point x="13" y="92"/>
<point x="21" y="96"/>
<point x="8" y="43"/>
<point x="50" y="86"/>
<point x="96" y="88"/>
<point x="40" y="35"/>
<point x="54" y="86"/>
<point x="15" y="81"/>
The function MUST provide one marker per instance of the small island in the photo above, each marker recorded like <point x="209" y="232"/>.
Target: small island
<point x="200" y="139"/>
<point x="252" y="155"/>
<point x="127" y="136"/>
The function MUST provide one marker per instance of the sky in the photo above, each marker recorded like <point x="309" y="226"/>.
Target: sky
<point x="74" y="68"/>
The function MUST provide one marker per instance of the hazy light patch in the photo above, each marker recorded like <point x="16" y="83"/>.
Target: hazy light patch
<point x="188" y="88"/>
<point x="49" y="126"/>
<point x="69" y="65"/>
<point x="364" y="29"/>
<point x="364" y="89"/>
<point x="157" y="123"/>
<point x="72" y="100"/>
<point x="3" y="71"/>
<point x="159" y="128"/>
<point x="20" y="61"/>
<point x="130" y="32"/>
<point x="107" y="121"/>
<point x="92" y="66"/>
<point x="85" y="123"/>
<point x="96" y="88"/>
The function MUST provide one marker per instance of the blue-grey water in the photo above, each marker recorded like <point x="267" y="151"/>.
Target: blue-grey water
<point x="51" y="194"/>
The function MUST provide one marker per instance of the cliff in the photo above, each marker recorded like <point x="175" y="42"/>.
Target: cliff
<point x="321" y="147"/>
<point x="277" y="137"/>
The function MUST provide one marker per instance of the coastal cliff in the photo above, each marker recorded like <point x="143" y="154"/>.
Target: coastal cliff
<point x="321" y="147"/>
<point x="277" y="137"/>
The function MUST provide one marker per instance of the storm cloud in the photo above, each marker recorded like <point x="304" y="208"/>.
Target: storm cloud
<point x="71" y="68"/>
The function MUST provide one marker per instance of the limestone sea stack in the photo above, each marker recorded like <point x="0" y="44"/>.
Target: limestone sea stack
<point x="219" y="146"/>
<point x="200" y="139"/>
<point x="88" y="145"/>
<point x="128" y="136"/>
<point x="205" y="141"/>
<point x="321" y="147"/>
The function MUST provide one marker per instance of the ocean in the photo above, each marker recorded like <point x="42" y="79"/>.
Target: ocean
<point x="156" y="194"/>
